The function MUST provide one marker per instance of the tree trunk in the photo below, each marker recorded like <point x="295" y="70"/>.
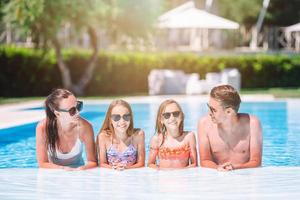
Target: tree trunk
<point x="87" y="76"/>
<point x="78" y="88"/>
<point x="64" y="70"/>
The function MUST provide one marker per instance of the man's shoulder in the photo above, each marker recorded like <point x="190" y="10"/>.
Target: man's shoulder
<point x="204" y="120"/>
<point x="205" y="125"/>
<point x="252" y="119"/>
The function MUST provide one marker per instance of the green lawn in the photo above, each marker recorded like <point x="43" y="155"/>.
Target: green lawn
<point x="276" y="92"/>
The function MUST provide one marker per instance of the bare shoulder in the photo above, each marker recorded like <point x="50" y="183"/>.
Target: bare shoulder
<point x="189" y="134"/>
<point x="138" y="135"/>
<point x="157" y="137"/>
<point x="85" y="123"/>
<point x="254" y="120"/>
<point x="103" y="136"/>
<point x="86" y="129"/>
<point x="205" y="124"/>
<point x="41" y="127"/>
<point x="255" y="126"/>
<point x="155" y="140"/>
<point x="205" y="121"/>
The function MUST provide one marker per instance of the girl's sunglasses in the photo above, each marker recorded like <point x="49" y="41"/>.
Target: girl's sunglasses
<point x="72" y="111"/>
<point x="117" y="118"/>
<point x="167" y="115"/>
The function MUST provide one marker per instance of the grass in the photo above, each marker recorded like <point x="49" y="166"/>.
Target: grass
<point x="10" y="100"/>
<point x="276" y="92"/>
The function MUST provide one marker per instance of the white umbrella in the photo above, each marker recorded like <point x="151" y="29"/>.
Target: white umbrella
<point x="293" y="28"/>
<point x="187" y="16"/>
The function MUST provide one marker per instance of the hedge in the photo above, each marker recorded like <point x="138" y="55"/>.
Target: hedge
<point x="29" y="72"/>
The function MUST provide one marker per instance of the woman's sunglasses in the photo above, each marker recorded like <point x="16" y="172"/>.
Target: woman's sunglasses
<point x="167" y="115"/>
<point x="72" y="111"/>
<point x="117" y="118"/>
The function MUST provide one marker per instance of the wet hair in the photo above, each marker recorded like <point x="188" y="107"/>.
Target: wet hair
<point x="51" y="104"/>
<point x="160" y="127"/>
<point x="227" y="95"/>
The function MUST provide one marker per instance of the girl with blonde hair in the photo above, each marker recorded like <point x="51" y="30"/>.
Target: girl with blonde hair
<point x="119" y="145"/>
<point x="171" y="146"/>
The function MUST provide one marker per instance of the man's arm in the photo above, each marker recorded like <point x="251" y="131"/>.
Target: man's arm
<point x="206" y="158"/>
<point x="255" y="145"/>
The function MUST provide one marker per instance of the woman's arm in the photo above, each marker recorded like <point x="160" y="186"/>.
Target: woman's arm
<point x="88" y="139"/>
<point x="41" y="147"/>
<point x="140" y="140"/>
<point x="153" y="152"/>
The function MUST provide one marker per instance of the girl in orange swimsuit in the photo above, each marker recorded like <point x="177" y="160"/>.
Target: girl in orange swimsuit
<point x="171" y="146"/>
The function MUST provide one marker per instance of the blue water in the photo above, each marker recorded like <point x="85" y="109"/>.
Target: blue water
<point x="280" y="122"/>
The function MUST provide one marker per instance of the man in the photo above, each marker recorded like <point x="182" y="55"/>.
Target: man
<point x="227" y="139"/>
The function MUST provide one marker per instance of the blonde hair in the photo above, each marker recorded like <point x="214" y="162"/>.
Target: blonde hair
<point x="227" y="95"/>
<point x="159" y="127"/>
<point x="107" y="126"/>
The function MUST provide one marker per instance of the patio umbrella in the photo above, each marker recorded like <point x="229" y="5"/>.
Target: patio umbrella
<point x="187" y="16"/>
<point x="293" y="28"/>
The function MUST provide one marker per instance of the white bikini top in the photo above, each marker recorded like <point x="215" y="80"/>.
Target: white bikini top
<point x="76" y="150"/>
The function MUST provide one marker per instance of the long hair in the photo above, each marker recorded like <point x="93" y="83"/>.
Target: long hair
<point x="107" y="126"/>
<point x="160" y="127"/>
<point x="52" y="104"/>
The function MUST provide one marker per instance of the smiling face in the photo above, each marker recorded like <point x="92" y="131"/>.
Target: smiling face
<point x="120" y="118"/>
<point x="66" y="104"/>
<point x="171" y="117"/>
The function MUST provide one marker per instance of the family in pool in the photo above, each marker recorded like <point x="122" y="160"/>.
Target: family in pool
<point x="227" y="140"/>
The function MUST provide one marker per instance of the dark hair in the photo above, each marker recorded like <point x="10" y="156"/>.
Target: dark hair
<point x="227" y="95"/>
<point x="52" y="104"/>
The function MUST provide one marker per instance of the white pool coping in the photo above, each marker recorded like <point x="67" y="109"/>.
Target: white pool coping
<point x="196" y="183"/>
<point x="14" y="114"/>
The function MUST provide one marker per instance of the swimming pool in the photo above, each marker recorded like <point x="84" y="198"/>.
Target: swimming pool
<point x="280" y="122"/>
<point x="279" y="178"/>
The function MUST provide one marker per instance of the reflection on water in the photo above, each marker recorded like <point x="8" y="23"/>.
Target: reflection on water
<point x="145" y="183"/>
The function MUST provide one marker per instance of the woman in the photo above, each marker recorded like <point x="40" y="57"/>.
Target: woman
<point x="174" y="147"/>
<point x="61" y="136"/>
<point x="119" y="145"/>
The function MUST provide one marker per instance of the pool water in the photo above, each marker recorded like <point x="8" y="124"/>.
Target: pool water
<point x="280" y="122"/>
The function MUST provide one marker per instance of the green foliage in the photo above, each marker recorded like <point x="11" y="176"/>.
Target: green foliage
<point x="24" y="72"/>
<point x="242" y="11"/>
<point x="44" y="19"/>
<point x="283" y="13"/>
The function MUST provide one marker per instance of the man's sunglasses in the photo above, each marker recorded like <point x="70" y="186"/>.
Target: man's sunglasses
<point x="117" y="117"/>
<point x="212" y="110"/>
<point x="167" y="115"/>
<point x="72" y="111"/>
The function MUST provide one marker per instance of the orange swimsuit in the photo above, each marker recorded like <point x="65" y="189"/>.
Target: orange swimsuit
<point x="178" y="153"/>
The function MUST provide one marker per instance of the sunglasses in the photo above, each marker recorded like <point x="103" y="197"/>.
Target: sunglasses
<point x="72" y="111"/>
<point x="212" y="110"/>
<point x="167" y="115"/>
<point x="117" y="117"/>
